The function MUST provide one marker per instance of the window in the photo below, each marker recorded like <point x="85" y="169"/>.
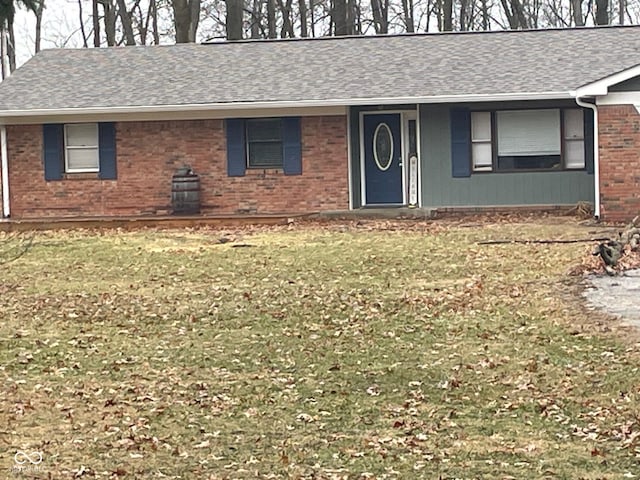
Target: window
<point x="542" y="139"/>
<point x="481" y="149"/>
<point x="264" y="143"/>
<point x="574" y="138"/>
<point x="81" y="148"/>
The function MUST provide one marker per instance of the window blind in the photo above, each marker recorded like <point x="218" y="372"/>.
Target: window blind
<point x="528" y="132"/>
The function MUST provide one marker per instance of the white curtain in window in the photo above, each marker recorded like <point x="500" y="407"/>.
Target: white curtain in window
<point x="528" y="132"/>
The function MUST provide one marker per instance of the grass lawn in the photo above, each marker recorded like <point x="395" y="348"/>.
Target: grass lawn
<point x="372" y="350"/>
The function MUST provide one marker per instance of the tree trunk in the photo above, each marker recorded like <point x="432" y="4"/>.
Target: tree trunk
<point x="256" y="18"/>
<point x="447" y="15"/>
<point x="407" y="15"/>
<point x="186" y="15"/>
<point x="339" y="17"/>
<point x="611" y="251"/>
<point x="287" y="24"/>
<point x="11" y="46"/>
<point x="153" y="5"/>
<point x="234" y="19"/>
<point x="312" y="18"/>
<point x="353" y="18"/>
<point x="485" y="16"/>
<point x="96" y="23"/>
<point x="464" y="4"/>
<point x="3" y="50"/>
<point x="302" y="6"/>
<point x="578" y="19"/>
<point x="271" y="18"/>
<point x="518" y="9"/>
<point x="39" y="12"/>
<point x="127" y="27"/>
<point x="109" y="21"/>
<point x="194" y="12"/>
<point x="380" y="10"/>
<point x="622" y="6"/>
<point x="602" y="12"/>
<point x="85" y="41"/>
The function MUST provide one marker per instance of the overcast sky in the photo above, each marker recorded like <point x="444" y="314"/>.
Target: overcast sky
<point x="60" y="28"/>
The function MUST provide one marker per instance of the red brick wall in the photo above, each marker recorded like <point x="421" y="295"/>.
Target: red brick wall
<point x="148" y="154"/>
<point x="619" y="127"/>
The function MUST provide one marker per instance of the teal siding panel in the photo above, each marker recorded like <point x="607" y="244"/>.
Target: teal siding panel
<point x="440" y="189"/>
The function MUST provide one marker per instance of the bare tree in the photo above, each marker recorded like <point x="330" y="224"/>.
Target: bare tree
<point x="576" y="7"/>
<point x="339" y="17"/>
<point x="446" y="15"/>
<point x="234" y="19"/>
<point x="125" y="19"/>
<point x="407" y="15"/>
<point x="602" y="12"/>
<point x="96" y="23"/>
<point x="256" y="18"/>
<point x="271" y="18"/>
<point x="39" y="12"/>
<point x="380" y="10"/>
<point x="186" y="16"/>
<point x="302" y="7"/>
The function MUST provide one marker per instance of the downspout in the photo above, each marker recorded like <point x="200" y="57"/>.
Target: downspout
<point x="6" y="205"/>
<point x="596" y="155"/>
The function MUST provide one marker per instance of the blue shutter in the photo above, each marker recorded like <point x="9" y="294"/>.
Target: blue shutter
<point x="236" y="157"/>
<point x="52" y="138"/>
<point x="292" y="146"/>
<point x="588" y="140"/>
<point x="460" y="142"/>
<point x="107" y="150"/>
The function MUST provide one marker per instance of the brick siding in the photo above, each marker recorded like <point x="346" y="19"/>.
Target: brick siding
<point x="619" y="127"/>
<point x="148" y="154"/>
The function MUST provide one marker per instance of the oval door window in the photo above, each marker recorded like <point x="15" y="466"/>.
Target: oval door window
<point x="383" y="146"/>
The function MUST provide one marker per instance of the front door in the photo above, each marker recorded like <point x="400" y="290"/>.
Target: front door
<point x="382" y="159"/>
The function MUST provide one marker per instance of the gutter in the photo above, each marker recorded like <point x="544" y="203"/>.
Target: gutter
<point x="596" y="153"/>
<point x="6" y="204"/>
<point x="335" y="102"/>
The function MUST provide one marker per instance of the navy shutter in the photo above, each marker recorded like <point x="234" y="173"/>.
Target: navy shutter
<point x="53" y="142"/>
<point x="460" y="142"/>
<point x="588" y="140"/>
<point x="292" y="146"/>
<point x="236" y="157"/>
<point x="107" y="150"/>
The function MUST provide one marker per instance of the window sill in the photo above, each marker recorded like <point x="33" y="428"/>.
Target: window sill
<point x="81" y="176"/>
<point x="264" y="171"/>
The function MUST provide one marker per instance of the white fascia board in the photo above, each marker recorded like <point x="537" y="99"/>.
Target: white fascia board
<point x="230" y="107"/>
<point x="619" y="98"/>
<point x="601" y="87"/>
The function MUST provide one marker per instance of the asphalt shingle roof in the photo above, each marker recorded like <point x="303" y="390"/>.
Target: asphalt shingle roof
<point x="408" y="66"/>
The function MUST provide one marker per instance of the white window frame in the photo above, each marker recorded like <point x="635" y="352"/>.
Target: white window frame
<point x="575" y="139"/>
<point x="68" y="148"/>
<point x="562" y="134"/>
<point x="482" y="141"/>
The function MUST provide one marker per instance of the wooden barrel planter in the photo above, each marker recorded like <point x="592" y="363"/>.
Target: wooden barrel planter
<point x="185" y="192"/>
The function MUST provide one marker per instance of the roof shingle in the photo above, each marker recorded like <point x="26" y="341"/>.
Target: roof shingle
<point x="349" y="68"/>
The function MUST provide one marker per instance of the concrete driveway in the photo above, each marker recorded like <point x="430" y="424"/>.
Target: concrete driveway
<point x="618" y="295"/>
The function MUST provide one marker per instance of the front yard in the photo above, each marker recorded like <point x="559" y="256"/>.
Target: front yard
<point x="344" y="350"/>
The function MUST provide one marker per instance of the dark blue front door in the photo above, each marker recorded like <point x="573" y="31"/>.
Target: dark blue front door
<point x="382" y="158"/>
